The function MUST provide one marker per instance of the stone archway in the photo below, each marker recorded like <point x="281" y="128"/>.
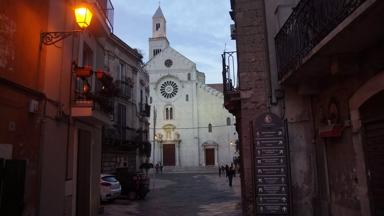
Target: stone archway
<point x="367" y="91"/>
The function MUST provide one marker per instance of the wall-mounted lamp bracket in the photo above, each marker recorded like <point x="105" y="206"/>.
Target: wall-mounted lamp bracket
<point x="50" y="38"/>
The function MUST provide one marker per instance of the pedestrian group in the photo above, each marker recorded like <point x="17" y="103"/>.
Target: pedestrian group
<point x="229" y="171"/>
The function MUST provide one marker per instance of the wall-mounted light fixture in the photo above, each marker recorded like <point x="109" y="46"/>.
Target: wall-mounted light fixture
<point x="83" y="16"/>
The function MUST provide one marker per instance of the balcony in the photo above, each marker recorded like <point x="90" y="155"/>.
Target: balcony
<point x="92" y="106"/>
<point x="85" y="109"/>
<point x="119" y="137"/>
<point x="230" y="85"/>
<point x="324" y="28"/>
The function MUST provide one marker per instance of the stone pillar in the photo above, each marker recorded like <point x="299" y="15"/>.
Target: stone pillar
<point x="253" y="73"/>
<point x="178" y="161"/>
<point x="216" y="155"/>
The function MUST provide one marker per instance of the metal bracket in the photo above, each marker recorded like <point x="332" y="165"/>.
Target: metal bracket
<point x="50" y="38"/>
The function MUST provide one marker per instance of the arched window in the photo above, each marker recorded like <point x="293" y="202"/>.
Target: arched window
<point x="157" y="26"/>
<point x="169" y="112"/>
<point x="186" y="98"/>
<point x="150" y="100"/>
<point x="189" y="76"/>
<point x="209" y="127"/>
<point x="228" y="121"/>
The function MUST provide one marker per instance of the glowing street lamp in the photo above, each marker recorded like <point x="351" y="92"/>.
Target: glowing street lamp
<point x="83" y="17"/>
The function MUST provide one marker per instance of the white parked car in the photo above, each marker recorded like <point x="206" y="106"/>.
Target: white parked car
<point x="110" y="187"/>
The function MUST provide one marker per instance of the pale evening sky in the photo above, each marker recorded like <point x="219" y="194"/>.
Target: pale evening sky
<point x="198" y="29"/>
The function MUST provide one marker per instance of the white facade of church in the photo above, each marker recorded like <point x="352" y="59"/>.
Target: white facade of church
<point x="191" y="126"/>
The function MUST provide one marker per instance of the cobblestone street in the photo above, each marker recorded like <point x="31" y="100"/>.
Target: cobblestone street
<point x="183" y="194"/>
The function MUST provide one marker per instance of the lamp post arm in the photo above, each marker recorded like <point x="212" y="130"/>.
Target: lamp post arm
<point x="49" y="38"/>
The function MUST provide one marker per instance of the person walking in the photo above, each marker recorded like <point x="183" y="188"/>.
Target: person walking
<point x="219" y="171"/>
<point x="231" y="172"/>
<point x="161" y="168"/>
<point x="226" y="170"/>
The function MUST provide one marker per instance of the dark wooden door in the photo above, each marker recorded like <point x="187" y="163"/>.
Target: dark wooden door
<point x="83" y="173"/>
<point x="209" y="157"/>
<point x="372" y="116"/>
<point x="169" y="155"/>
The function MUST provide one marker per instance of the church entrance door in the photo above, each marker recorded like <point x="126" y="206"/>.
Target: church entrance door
<point x="169" y="155"/>
<point x="210" y="157"/>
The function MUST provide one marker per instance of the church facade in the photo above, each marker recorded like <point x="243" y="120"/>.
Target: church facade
<point x="189" y="127"/>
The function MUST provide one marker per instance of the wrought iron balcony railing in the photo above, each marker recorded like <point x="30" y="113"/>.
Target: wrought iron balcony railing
<point x="120" y="136"/>
<point x="310" y="22"/>
<point x="229" y="73"/>
<point x="94" y="99"/>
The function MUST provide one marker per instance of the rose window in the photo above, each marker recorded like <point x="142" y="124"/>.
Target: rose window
<point x="168" y="89"/>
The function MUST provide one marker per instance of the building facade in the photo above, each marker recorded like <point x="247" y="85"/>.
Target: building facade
<point x="189" y="126"/>
<point x="56" y="100"/>
<point x="125" y="141"/>
<point x="318" y="66"/>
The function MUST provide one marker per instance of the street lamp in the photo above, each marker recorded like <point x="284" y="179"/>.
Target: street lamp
<point x="83" y="16"/>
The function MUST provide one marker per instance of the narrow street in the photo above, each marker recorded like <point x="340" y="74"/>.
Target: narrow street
<point x="183" y="194"/>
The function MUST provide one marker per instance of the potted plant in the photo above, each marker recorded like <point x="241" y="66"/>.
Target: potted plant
<point x="83" y="72"/>
<point x="100" y="74"/>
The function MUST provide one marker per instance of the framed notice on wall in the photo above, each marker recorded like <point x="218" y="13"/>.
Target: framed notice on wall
<point x="272" y="171"/>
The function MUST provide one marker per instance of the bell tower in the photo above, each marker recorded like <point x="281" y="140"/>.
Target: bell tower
<point x="158" y="41"/>
<point x="158" y="24"/>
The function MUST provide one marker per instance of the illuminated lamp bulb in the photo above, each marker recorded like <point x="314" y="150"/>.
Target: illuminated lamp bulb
<point x="83" y="16"/>
<point x="86" y="87"/>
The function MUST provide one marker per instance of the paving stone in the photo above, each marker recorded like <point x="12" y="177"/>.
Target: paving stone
<point x="184" y="194"/>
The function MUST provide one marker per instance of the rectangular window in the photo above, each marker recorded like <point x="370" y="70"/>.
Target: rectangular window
<point x="121" y="71"/>
<point x="122" y="121"/>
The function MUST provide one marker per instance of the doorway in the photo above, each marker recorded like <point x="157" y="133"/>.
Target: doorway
<point x="169" y="158"/>
<point x="83" y="173"/>
<point x="12" y="181"/>
<point x="210" y="157"/>
<point x="372" y="118"/>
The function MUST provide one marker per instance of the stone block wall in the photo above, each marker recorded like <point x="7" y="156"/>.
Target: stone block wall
<point x="253" y="74"/>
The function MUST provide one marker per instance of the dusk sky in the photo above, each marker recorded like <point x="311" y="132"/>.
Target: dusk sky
<point x="198" y="29"/>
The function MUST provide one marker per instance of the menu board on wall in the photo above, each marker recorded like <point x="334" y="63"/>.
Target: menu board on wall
<point x="272" y="166"/>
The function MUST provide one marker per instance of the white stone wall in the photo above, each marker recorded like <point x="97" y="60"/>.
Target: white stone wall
<point x="211" y="110"/>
